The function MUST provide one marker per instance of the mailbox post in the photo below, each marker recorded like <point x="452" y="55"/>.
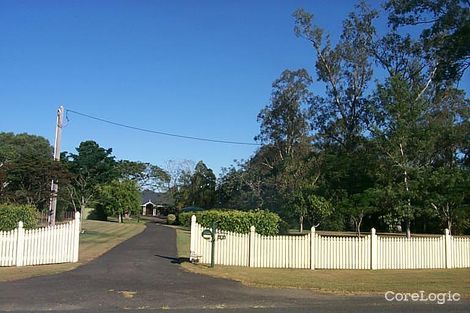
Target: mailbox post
<point x="213" y="245"/>
<point x="209" y="234"/>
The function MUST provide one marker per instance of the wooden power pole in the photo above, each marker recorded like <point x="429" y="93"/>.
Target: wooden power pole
<point x="54" y="184"/>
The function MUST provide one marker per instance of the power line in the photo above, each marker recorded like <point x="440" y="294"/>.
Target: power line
<point x="161" y="132"/>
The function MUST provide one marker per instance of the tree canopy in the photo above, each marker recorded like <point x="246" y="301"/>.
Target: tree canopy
<point x="385" y="144"/>
<point x="374" y="134"/>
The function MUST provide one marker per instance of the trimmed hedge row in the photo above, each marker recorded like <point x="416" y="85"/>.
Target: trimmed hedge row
<point x="11" y="214"/>
<point x="266" y="223"/>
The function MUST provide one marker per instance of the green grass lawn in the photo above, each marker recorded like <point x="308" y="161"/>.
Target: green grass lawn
<point x="336" y="281"/>
<point x="98" y="238"/>
<point x="183" y="237"/>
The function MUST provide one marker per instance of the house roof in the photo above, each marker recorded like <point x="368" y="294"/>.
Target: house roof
<point x="156" y="198"/>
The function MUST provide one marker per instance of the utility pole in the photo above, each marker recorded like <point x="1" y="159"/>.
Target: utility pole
<point x="54" y="184"/>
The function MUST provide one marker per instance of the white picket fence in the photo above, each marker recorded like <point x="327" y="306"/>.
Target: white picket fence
<point x="315" y="251"/>
<point x="46" y="245"/>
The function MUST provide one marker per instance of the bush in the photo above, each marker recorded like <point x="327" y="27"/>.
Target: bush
<point x="266" y="223"/>
<point x="171" y="219"/>
<point x="185" y="218"/>
<point x="97" y="214"/>
<point x="11" y="214"/>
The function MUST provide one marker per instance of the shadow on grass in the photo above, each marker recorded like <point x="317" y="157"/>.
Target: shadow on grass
<point x="173" y="260"/>
<point x="87" y="234"/>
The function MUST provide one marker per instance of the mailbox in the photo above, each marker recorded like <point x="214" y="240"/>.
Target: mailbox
<point x="207" y="234"/>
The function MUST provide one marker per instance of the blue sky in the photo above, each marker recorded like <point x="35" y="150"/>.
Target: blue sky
<point x="197" y="68"/>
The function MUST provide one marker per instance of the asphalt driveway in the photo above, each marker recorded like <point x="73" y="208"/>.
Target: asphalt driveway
<point x="142" y="274"/>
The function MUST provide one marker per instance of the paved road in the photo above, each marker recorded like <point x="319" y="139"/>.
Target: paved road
<point x="142" y="275"/>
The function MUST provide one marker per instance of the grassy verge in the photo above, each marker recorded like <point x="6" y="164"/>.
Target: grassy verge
<point x="98" y="238"/>
<point x="183" y="237"/>
<point x="337" y="281"/>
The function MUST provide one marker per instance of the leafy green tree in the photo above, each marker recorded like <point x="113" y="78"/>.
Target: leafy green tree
<point x="198" y="189"/>
<point x="182" y="191"/>
<point x="257" y="175"/>
<point x="403" y="136"/>
<point x="279" y="168"/>
<point x="118" y="198"/>
<point x="231" y="190"/>
<point x="14" y="146"/>
<point x="29" y="180"/>
<point x="90" y="167"/>
<point x="374" y="152"/>
<point x="421" y="119"/>
<point x="284" y="122"/>
<point x="447" y="192"/>
<point x="179" y="174"/>
<point x="358" y="206"/>
<point x="445" y="31"/>
<point x="340" y="118"/>
<point x="202" y="190"/>
<point x="306" y="205"/>
<point x="345" y="69"/>
<point x="449" y="125"/>
<point x="146" y="175"/>
<point x="27" y="169"/>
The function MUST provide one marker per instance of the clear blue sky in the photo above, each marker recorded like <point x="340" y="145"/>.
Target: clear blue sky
<point x="198" y="68"/>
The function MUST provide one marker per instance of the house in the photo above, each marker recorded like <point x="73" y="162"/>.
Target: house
<point x="155" y="203"/>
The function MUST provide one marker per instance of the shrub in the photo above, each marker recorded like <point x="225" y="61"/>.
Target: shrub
<point x="185" y="218"/>
<point x="98" y="214"/>
<point x="266" y="223"/>
<point x="11" y="214"/>
<point x="171" y="219"/>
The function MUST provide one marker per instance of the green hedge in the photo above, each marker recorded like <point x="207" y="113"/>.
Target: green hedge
<point x="266" y="223"/>
<point x="11" y="214"/>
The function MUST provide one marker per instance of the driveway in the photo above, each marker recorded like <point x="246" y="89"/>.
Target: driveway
<point x="142" y="275"/>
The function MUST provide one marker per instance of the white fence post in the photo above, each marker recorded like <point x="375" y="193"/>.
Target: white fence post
<point x="19" y="244"/>
<point x="192" y="246"/>
<point x="448" y="250"/>
<point x="251" y="256"/>
<point x="312" y="248"/>
<point x="76" y="238"/>
<point x="373" y="249"/>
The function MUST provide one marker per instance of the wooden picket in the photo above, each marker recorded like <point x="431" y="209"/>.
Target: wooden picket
<point x="332" y="251"/>
<point x="46" y="245"/>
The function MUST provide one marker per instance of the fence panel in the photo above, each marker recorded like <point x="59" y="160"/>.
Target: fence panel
<point x="8" y="247"/>
<point x="46" y="245"/>
<point x="411" y="253"/>
<point x="233" y="250"/>
<point x="335" y="252"/>
<point x="332" y="251"/>
<point x="460" y="247"/>
<point x="281" y="251"/>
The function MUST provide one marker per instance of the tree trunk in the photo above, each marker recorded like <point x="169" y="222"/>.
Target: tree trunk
<point x="405" y="179"/>
<point x="449" y="218"/>
<point x="408" y="228"/>
<point x="301" y="221"/>
<point x="82" y="211"/>
<point x="119" y="218"/>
